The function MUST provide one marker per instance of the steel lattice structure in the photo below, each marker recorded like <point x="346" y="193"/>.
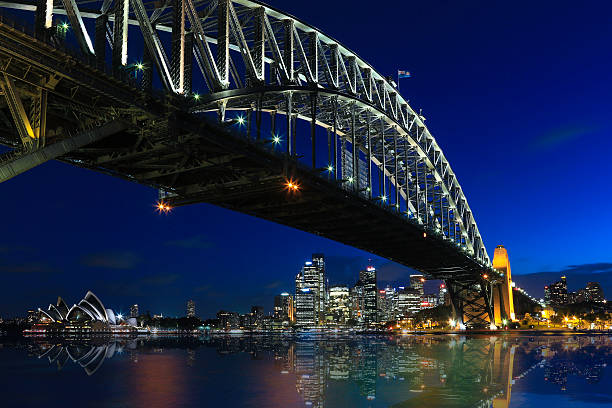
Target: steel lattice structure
<point x="362" y="140"/>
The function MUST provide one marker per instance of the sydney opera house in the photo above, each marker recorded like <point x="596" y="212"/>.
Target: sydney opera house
<point x="88" y="316"/>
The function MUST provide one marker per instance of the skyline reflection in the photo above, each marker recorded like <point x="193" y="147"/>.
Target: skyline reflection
<point x="478" y="371"/>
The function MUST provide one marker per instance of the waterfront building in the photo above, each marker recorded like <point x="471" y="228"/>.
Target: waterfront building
<point x="305" y="308"/>
<point x="417" y="282"/>
<point x="89" y="315"/>
<point x="408" y="302"/>
<point x="339" y="304"/>
<point x="191" y="308"/>
<point x="443" y="295"/>
<point x="312" y="277"/>
<point x="357" y="303"/>
<point x="367" y="278"/>
<point x="594" y="292"/>
<point x="429" y="300"/>
<point x="257" y="313"/>
<point x="228" y="320"/>
<point x="556" y="293"/>
<point x="134" y="311"/>
<point x="283" y="307"/>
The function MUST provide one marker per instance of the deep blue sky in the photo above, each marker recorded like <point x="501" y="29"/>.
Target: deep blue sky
<point x="516" y="93"/>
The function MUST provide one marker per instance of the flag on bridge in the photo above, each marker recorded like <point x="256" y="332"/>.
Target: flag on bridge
<point x="403" y="74"/>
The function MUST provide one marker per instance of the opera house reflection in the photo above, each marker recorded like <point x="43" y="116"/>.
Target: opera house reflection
<point x="411" y="371"/>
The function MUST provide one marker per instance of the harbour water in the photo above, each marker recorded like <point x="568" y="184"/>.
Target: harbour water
<point x="268" y="371"/>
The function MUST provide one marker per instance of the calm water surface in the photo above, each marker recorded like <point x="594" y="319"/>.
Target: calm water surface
<point x="265" y="371"/>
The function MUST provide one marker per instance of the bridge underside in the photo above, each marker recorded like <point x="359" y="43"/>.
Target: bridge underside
<point x="195" y="159"/>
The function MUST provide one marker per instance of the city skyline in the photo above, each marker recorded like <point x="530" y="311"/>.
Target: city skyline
<point x="137" y="253"/>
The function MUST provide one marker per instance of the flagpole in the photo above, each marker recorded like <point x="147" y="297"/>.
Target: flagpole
<point x="398" y="80"/>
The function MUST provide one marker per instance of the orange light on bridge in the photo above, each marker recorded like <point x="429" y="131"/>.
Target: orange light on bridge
<point x="163" y="207"/>
<point x="485" y="276"/>
<point x="292" y="185"/>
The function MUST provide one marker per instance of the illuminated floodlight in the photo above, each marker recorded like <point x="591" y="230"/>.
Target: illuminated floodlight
<point x="140" y="66"/>
<point x="330" y="168"/>
<point x="485" y="276"/>
<point x="119" y="316"/>
<point x="240" y="120"/>
<point x="64" y="26"/>
<point x="276" y="139"/>
<point x="350" y="179"/>
<point x="163" y="207"/>
<point x="384" y="198"/>
<point x="196" y="96"/>
<point x="292" y="185"/>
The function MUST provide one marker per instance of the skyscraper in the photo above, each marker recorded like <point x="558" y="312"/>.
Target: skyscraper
<point x="339" y="306"/>
<point x="134" y="311"/>
<point x="367" y="278"/>
<point x="312" y="277"/>
<point x="556" y="293"/>
<point x="408" y="301"/>
<point x="191" y="308"/>
<point x="416" y="282"/>
<point x="283" y="307"/>
<point x="442" y="294"/>
<point x="305" y="311"/>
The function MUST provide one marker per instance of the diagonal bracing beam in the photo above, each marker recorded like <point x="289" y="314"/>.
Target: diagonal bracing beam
<point x="76" y="20"/>
<point x="154" y="45"/>
<point x="23" y="163"/>
<point x="24" y="127"/>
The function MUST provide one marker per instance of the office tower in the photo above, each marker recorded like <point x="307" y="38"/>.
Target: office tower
<point x="357" y="303"/>
<point x="408" y="301"/>
<point x="339" y="305"/>
<point x="228" y="320"/>
<point x="312" y="277"/>
<point x="283" y="307"/>
<point x="556" y="293"/>
<point x="257" y="313"/>
<point x="442" y="294"/>
<point x="305" y="310"/>
<point x="134" y="311"/>
<point x="416" y="282"/>
<point x="387" y="302"/>
<point x="593" y="293"/>
<point x="429" y="300"/>
<point x="367" y="278"/>
<point x="191" y="308"/>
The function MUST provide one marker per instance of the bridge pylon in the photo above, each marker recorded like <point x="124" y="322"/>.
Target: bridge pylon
<point x="503" y="303"/>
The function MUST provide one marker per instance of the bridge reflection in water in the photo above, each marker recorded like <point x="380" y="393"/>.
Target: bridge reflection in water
<point x="444" y="371"/>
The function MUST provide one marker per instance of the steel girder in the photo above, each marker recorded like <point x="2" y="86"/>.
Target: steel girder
<point x="269" y="61"/>
<point x="472" y="301"/>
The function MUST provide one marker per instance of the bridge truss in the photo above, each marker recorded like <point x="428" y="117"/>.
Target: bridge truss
<point x="219" y="90"/>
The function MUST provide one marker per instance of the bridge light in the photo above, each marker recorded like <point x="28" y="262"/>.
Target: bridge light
<point x="139" y="66"/>
<point x="276" y="139"/>
<point x="424" y="235"/>
<point x="330" y="168"/>
<point x="350" y="179"/>
<point x="240" y="120"/>
<point x="163" y="207"/>
<point x="384" y="198"/>
<point x="196" y="96"/>
<point x="485" y="276"/>
<point x="505" y="322"/>
<point x="119" y="316"/>
<point x="292" y="185"/>
<point x="64" y="26"/>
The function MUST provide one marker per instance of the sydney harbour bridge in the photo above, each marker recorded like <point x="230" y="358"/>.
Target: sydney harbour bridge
<point x="235" y="103"/>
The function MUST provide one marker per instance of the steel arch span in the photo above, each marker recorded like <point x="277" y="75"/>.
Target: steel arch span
<point x="236" y="103"/>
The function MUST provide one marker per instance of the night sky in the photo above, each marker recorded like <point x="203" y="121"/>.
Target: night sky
<point x="516" y="94"/>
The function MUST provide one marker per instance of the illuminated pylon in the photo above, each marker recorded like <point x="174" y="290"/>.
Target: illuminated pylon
<point x="503" y="304"/>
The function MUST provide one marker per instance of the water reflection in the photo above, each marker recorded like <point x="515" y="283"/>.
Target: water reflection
<point x="445" y="371"/>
